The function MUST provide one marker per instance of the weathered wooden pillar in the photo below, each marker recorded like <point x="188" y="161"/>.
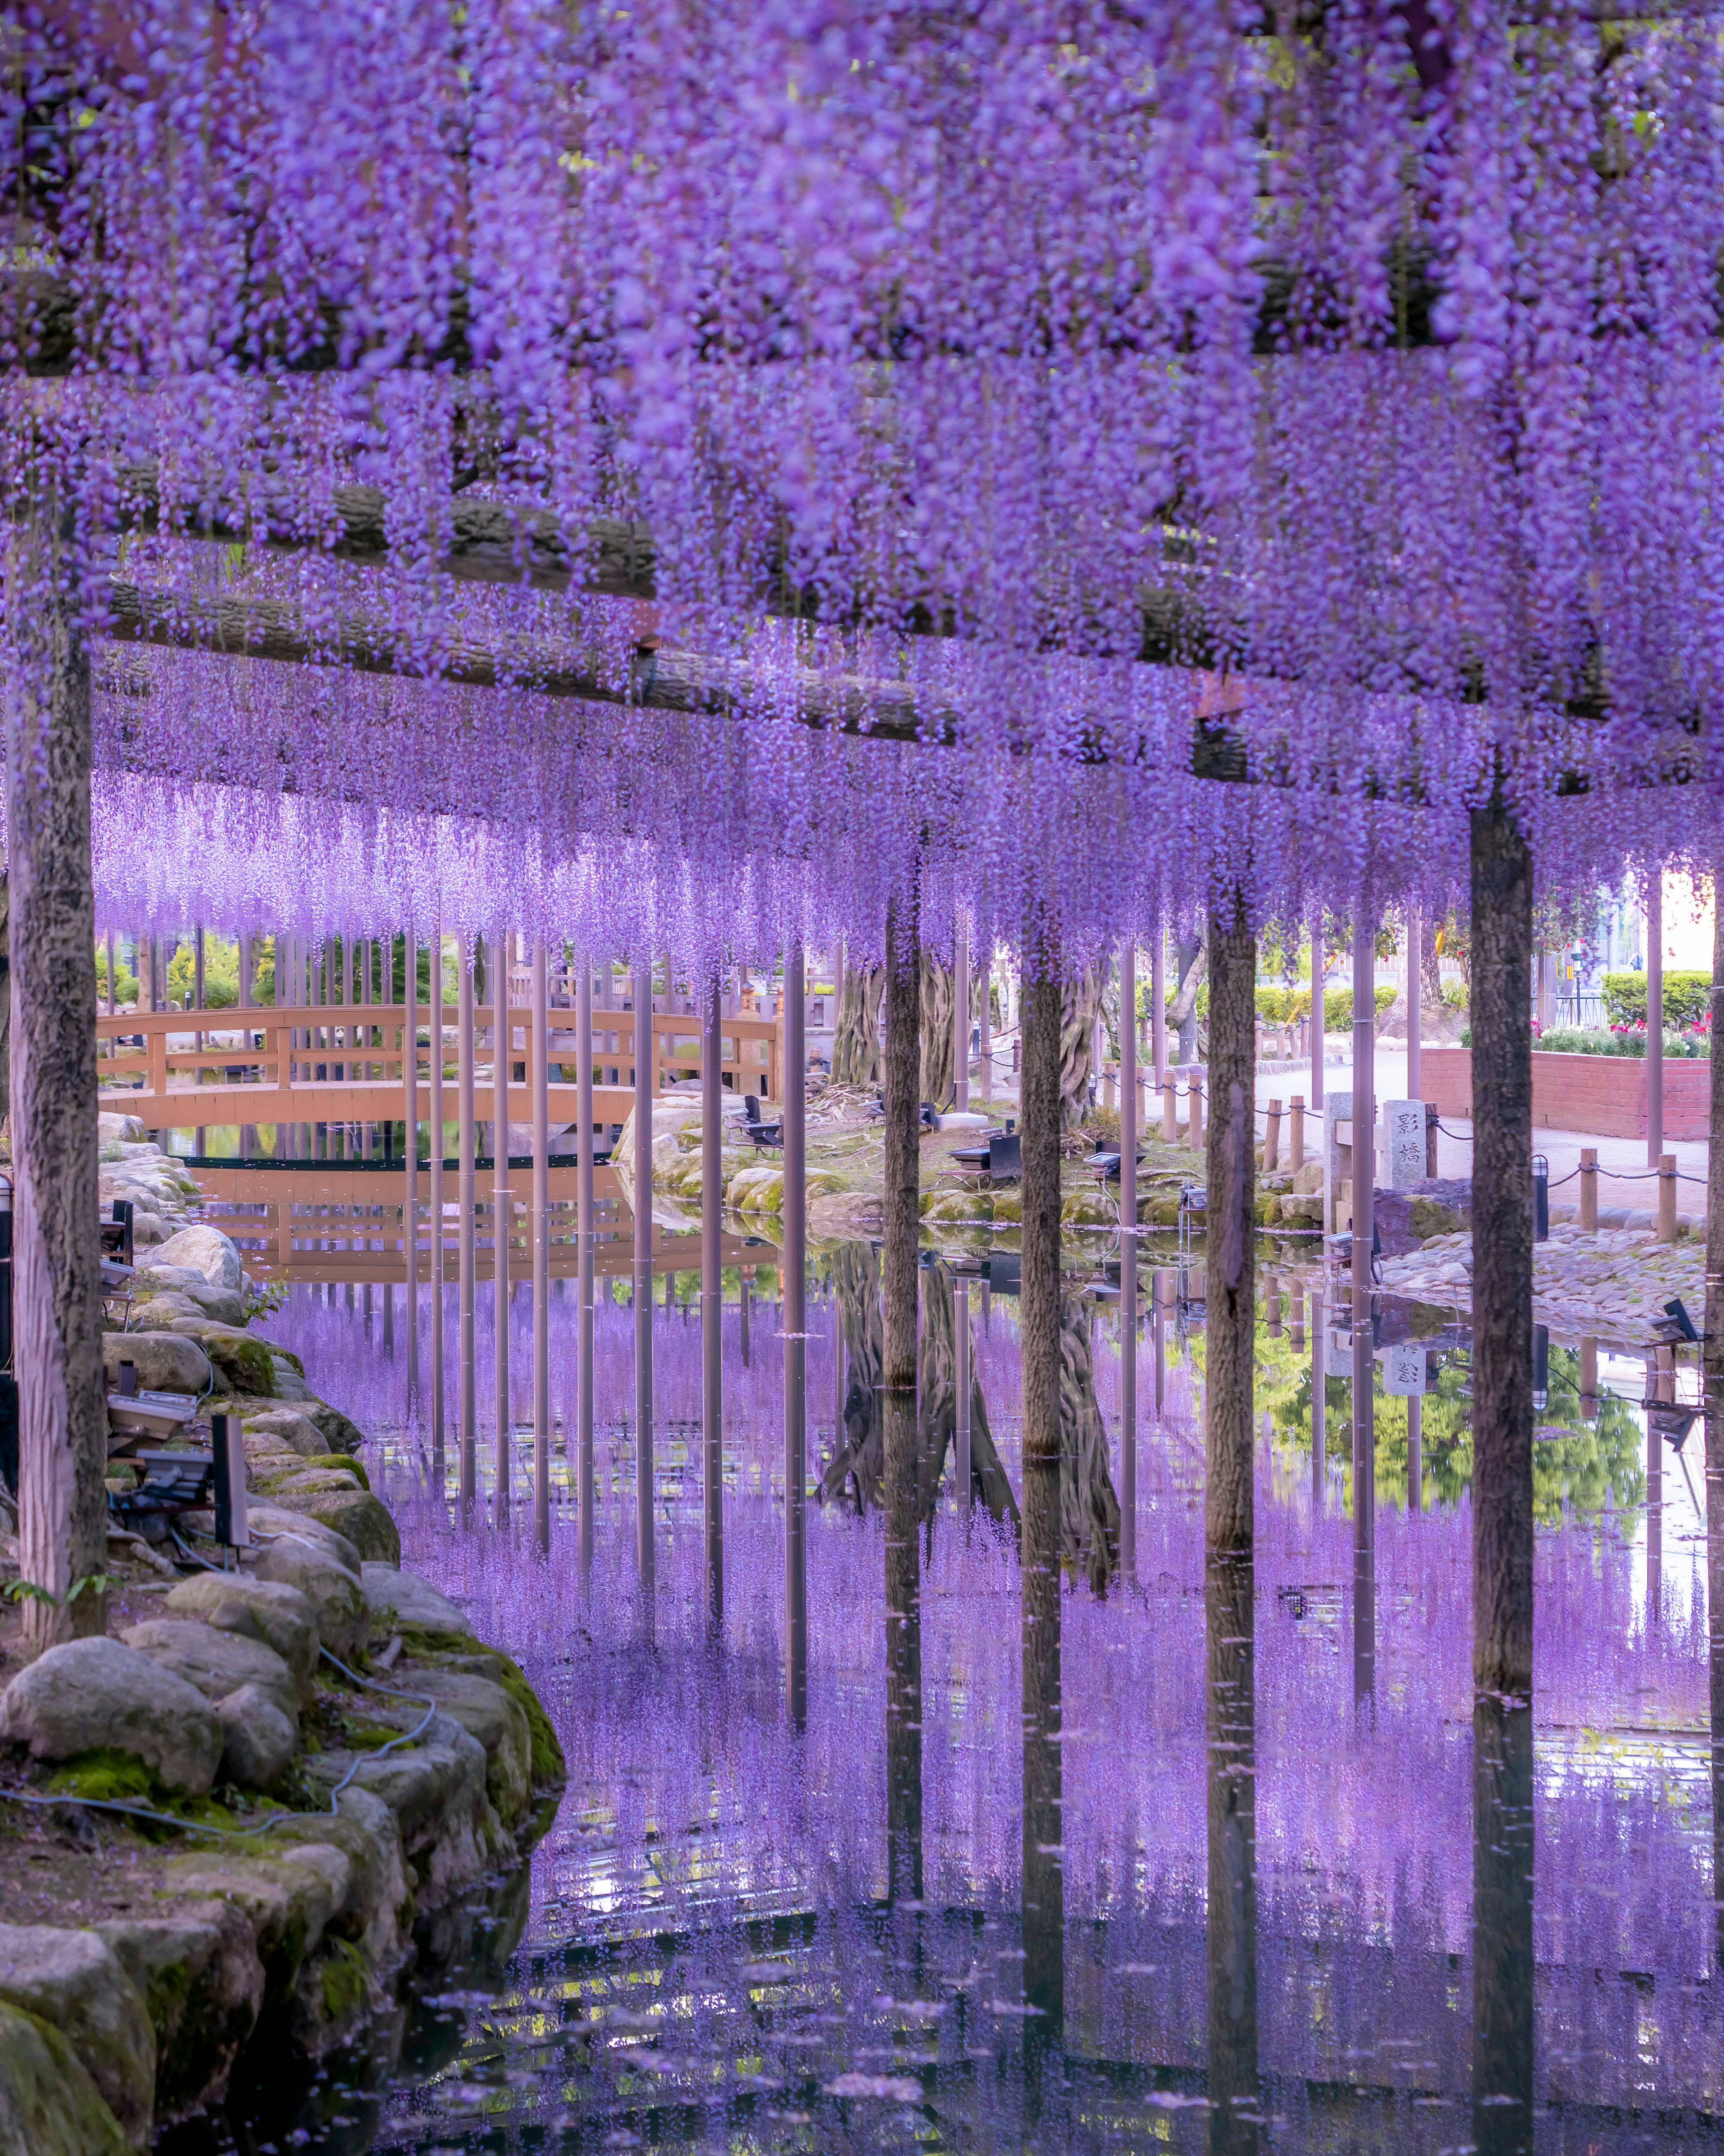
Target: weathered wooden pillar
<point x="645" y="1087"/>
<point x="539" y="1070"/>
<point x="1044" y="1837"/>
<point x="439" y="1405"/>
<point x="56" y="1297"/>
<point x="586" y="1227"/>
<point x="1502" y="1480"/>
<point x="1230" y="1288"/>
<point x="1316" y="1008"/>
<point x="465" y="1198"/>
<point x="1655" y="1015"/>
<point x="961" y="1020"/>
<point x="712" y="1303"/>
<point x="1364" y="1231"/>
<point x="410" y="1142"/>
<point x="794" y="1225"/>
<point x="502" y="1213"/>
<point x="900" y="1229"/>
<point x="1502" y="1254"/>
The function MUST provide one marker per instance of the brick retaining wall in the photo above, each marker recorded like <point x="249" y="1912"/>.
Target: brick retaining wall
<point x="1597" y="1095"/>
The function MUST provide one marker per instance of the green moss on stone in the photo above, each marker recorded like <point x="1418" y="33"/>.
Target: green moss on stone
<point x="108" y="1776"/>
<point x="345" y="1978"/>
<point x="344" y="1462"/>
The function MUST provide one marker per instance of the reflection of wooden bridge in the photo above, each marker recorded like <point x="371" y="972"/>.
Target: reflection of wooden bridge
<point x="346" y="1063"/>
<point x="324" y="1222"/>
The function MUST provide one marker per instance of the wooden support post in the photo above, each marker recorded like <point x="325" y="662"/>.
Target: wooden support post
<point x="1295" y="1143"/>
<point x="1667" y="1197"/>
<point x="1317" y="962"/>
<point x="63" y="1421"/>
<point x="465" y="1196"/>
<point x="439" y="1404"/>
<point x="1415" y="1461"/>
<point x="1194" y="1126"/>
<point x="962" y="1382"/>
<point x="961" y="1020"/>
<point x="795" y="1227"/>
<point x="1654" y="1017"/>
<point x="1272" y="1138"/>
<point x="712" y="1305"/>
<point x="902" y="1093"/>
<point x="587" y="1229"/>
<point x="1043" y="1888"/>
<point x="1158" y="1007"/>
<point x="410" y="1140"/>
<point x="1712" y="1392"/>
<point x="1415" y="1004"/>
<point x="1128" y="1258"/>
<point x="1364" y="1218"/>
<point x="645" y="1051"/>
<point x="539" y="1070"/>
<point x="243" y="998"/>
<point x="1230" y="1173"/>
<point x="1170" y="1112"/>
<point x="1502" y="1256"/>
<point x="502" y="1213"/>
<point x="985" y="1060"/>
<point x="1589" y="1189"/>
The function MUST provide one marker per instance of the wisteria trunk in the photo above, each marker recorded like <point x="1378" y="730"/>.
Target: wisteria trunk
<point x="937" y="1001"/>
<point x="1230" y="1721"/>
<point x="57" y="1299"/>
<point x="1044" y="1878"/>
<point x="902" y="1224"/>
<point x="1229" y="1284"/>
<point x="855" y="1035"/>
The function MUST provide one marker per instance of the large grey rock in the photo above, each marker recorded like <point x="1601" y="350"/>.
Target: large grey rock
<point x="261" y="1740"/>
<point x="190" y="1291"/>
<point x="339" y="1432"/>
<point x="217" y="1662"/>
<point x="205" y="1251"/>
<point x="296" y="1429"/>
<point x="244" y="1360"/>
<point x="73" y="1980"/>
<point x="377" y="1902"/>
<point x="450" y="1834"/>
<point x="276" y="1520"/>
<point x="112" y="1129"/>
<point x="402" y="1598"/>
<point x="92" y="1695"/>
<point x="487" y="1712"/>
<point x="197" y="1969"/>
<point x="287" y="1899"/>
<point x="363" y="1521"/>
<point x="335" y="1592"/>
<point x="167" y="1362"/>
<point x="288" y="1383"/>
<point x="278" y="1615"/>
<point x="48" y="2104"/>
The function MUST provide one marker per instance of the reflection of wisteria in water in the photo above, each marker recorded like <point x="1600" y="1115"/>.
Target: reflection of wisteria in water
<point x="695" y="1822"/>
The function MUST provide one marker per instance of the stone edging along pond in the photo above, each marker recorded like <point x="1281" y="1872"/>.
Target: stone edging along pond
<point x="308" y="1816"/>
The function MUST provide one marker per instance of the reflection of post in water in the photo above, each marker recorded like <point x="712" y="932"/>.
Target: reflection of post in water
<point x="1502" y="1926"/>
<point x="1319" y="1399"/>
<point x="712" y="1310"/>
<point x="1231" y="1726"/>
<point x="1043" y="1358"/>
<point x="1364" y="1236"/>
<point x="1089" y="1508"/>
<point x="962" y="1386"/>
<point x="1660" y="1385"/>
<point x="794" y="1216"/>
<point x="746" y="1281"/>
<point x="857" y="1458"/>
<point x="938" y="1369"/>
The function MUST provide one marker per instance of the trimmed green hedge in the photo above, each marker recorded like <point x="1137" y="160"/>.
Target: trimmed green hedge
<point x="1685" y="999"/>
<point x="1280" y="1006"/>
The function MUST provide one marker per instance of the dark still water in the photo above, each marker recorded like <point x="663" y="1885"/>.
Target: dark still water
<point x="1194" y="1861"/>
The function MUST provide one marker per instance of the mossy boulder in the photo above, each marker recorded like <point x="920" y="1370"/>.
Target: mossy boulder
<point x="1159" y="1207"/>
<point x="48" y="2104"/>
<point x="1089" y="1209"/>
<point x="363" y="1519"/>
<point x="1007" y="1205"/>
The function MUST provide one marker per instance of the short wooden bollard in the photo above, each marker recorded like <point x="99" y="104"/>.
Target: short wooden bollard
<point x="1667" y="1197"/>
<point x="1170" y="1112"/>
<point x="1194" y="1127"/>
<point x="1589" y="1189"/>
<point x="1272" y="1305"/>
<point x="1272" y="1139"/>
<point x="1296" y="1137"/>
